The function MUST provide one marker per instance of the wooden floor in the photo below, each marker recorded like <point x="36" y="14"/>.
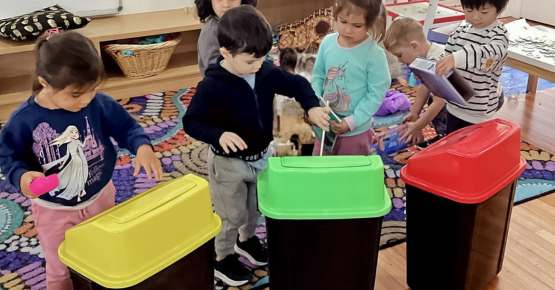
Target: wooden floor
<point x="535" y="115"/>
<point x="530" y="254"/>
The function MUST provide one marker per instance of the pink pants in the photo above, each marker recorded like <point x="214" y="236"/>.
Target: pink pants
<point x="349" y="145"/>
<point x="51" y="225"/>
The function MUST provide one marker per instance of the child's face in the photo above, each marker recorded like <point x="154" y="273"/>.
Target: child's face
<point x="221" y="6"/>
<point x="351" y="27"/>
<point x="482" y="17"/>
<point x="407" y="53"/>
<point x="309" y="65"/>
<point x="71" y="98"/>
<point x="241" y="63"/>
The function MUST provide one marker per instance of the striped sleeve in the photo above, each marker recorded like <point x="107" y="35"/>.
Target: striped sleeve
<point x="483" y="56"/>
<point x="450" y="47"/>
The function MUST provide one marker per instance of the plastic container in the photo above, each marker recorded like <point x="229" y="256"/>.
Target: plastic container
<point x="460" y="193"/>
<point x="160" y="239"/>
<point x="323" y="220"/>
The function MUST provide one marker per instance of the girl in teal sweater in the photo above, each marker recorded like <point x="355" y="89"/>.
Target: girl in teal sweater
<point x="351" y="74"/>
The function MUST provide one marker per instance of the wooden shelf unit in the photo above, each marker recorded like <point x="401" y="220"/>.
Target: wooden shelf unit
<point x="17" y="59"/>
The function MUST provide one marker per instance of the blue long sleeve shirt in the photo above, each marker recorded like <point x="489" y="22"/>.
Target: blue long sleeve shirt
<point x="75" y="145"/>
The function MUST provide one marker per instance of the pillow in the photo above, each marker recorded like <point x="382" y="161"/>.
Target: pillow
<point x="31" y="25"/>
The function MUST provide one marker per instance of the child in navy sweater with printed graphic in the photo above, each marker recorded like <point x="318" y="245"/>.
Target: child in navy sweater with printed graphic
<point x="65" y="128"/>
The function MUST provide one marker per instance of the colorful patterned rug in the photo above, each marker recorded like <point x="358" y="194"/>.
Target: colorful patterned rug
<point x="21" y="259"/>
<point x="513" y="84"/>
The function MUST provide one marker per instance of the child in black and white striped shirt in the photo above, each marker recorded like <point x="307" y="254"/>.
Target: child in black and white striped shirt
<point x="478" y="50"/>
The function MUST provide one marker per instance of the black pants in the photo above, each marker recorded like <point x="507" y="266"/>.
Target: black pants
<point x="454" y="123"/>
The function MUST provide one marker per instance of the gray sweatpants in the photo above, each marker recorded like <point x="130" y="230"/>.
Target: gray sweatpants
<point x="233" y="188"/>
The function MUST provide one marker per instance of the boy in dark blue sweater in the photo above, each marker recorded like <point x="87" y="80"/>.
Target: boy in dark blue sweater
<point x="233" y="112"/>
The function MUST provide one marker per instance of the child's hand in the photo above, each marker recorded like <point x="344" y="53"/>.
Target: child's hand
<point x="339" y="127"/>
<point x="319" y="116"/>
<point x="147" y="160"/>
<point x="411" y="117"/>
<point x="413" y="133"/>
<point x="25" y="181"/>
<point x="231" y="141"/>
<point x="445" y="65"/>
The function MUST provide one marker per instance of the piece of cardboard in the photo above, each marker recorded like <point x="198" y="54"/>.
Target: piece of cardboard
<point x="453" y="88"/>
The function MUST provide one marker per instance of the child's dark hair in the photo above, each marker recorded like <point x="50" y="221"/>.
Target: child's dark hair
<point x="65" y="59"/>
<point x="205" y="10"/>
<point x="288" y="59"/>
<point x="477" y="4"/>
<point x="244" y="29"/>
<point x="371" y="9"/>
<point x="374" y="14"/>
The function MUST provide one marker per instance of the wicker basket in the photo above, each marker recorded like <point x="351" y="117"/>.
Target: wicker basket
<point x="142" y="60"/>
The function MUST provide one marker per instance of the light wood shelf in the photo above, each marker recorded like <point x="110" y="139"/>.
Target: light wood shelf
<point x="182" y="69"/>
<point x="17" y="58"/>
<point x="15" y="89"/>
<point x="123" y="27"/>
<point x="15" y="85"/>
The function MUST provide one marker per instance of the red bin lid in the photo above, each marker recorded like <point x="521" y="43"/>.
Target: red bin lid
<point x="469" y="165"/>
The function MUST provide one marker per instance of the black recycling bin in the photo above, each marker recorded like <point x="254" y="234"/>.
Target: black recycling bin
<point x="460" y="193"/>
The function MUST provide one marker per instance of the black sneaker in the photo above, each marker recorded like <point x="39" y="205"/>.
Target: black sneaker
<point x="253" y="250"/>
<point x="232" y="272"/>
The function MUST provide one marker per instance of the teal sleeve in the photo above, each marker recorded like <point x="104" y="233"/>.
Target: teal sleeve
<point x="319" y="72"/>
<point x="379" y="81"/>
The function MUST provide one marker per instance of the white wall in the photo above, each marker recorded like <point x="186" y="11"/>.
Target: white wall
<point x="138" y="6"/>
<point x="11" y="8"/>
<point x="537" y="10"/>
<point x="513" y="8"/>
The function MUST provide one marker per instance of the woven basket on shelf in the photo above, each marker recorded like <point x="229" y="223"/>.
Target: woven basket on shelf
<point x="142" y="60"/>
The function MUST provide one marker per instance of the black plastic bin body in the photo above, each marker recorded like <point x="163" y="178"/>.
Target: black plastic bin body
<point x="454" y="246"/>
<point x="323" y="254"/>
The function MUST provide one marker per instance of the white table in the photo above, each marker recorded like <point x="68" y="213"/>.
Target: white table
<point x="532" y="50"/>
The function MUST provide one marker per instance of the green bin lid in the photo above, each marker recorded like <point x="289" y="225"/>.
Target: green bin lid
<point x="323" y="187"/>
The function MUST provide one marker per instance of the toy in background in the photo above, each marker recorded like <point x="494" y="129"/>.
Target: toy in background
<point x="291" y="130"/>
<point x="43" y="185"/>
<point x="146" y="39"/>
<point x="394" y="101"/>
<point x="389" y="140"/>
<point x="306" y="34"/>
<point x="153" y="39"/>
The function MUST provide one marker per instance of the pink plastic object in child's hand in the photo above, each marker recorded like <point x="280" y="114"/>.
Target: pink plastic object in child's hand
<point x="42" y="185"/>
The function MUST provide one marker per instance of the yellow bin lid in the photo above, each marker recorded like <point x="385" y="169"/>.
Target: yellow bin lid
<point x="131" y="242"/>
